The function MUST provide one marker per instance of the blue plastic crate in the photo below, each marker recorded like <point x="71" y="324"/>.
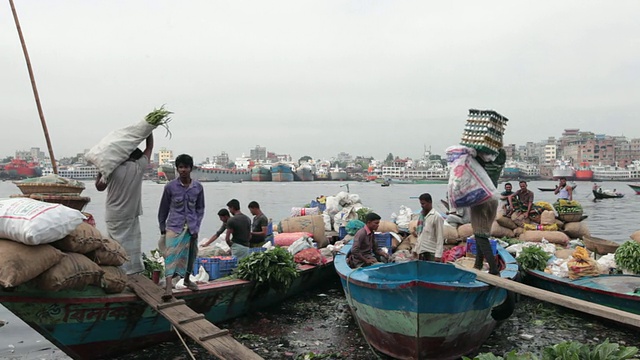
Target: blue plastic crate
<point x="471" y="246"/>
<point x="342" y="232"/>
<point x="257" y="249"/>
<point x="226" y="265"/>
<point x="384" y="240"/>
<point x="210" y="265"/>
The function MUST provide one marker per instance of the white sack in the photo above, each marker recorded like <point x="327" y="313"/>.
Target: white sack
<point x="299" y="245"/>
<point x="327" y="222"/>
<point x="34" y="222"/>
<point x="116" y="147"/>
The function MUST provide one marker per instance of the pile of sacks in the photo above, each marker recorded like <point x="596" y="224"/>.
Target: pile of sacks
<point x="53" y="248"/>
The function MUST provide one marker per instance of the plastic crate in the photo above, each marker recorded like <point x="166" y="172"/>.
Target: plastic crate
<point x="384" y="240"/>
<point x="257" y="249"/>
<point x="471" y="246"/>
<point x="210" y="265"/>
<point x="342" y="232"/>
<point x="227" y="264"/>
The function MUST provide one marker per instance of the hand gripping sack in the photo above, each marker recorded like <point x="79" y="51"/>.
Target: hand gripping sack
<point x="34" y="222"/>
<point x="116" y="147"/>
<point x="469" y="183"/>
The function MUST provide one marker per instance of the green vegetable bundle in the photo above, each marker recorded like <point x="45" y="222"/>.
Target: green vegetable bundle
<point x="533" y="258"/>
<point x="274" y="268"/>
<point x="158" y="116"/>
<point x="567" y="207"/>
<point x="570" y="350"/>
<point x="627" y="256"/>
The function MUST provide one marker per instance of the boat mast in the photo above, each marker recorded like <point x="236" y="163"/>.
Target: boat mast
<point x="35" y="89"/>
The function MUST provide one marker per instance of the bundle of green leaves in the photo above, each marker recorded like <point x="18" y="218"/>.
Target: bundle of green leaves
<point x="627" y="256"/>
<point x="533" y="258"/>
<point x="274" y="268"/>
<point x="570" y="350"/>
<point x="154" y="262"/>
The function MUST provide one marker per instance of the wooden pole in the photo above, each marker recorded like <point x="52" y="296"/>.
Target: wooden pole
<point x="587" y="307"/>
<point x="35" y="89"/>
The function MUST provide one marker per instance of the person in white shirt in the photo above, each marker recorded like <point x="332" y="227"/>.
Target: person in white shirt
<point x="430" y="242"/>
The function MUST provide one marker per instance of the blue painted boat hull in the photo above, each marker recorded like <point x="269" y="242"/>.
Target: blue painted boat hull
<point x="90" y="325"/>
<point x="422" y="310"/>
<point x="616" y="291"/>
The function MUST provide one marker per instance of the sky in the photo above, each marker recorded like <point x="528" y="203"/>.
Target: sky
<point x="317" y="77"/>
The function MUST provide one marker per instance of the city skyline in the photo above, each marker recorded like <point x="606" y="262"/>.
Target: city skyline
<point x="318" y="77"/>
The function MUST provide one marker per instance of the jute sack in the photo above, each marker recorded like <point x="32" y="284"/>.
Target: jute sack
<point x="505" y="221"/>
<point x="500" y="231"/>
<point x="555" y="237"/>
<point x="450" y="232"/>
<point x="114" y="280"/>
<point x="635" y="236"/>
<point x="413" y="225"/>
<point x="83" y="239"/>
<point x="408" y="243"/>
<point x="520" y="218"/>
<point x="560" y="224"/>
<point x="563" y="253"/>
<point x="313" y="224"/>
<point x="74" y="271"/>
<point x="547" y="218"/>
<point x="388" y="226"/>
<point x="518" y="231"/>
<point x="111" y="253"/>
<point x="576" y="230"/>
<point x="464" y="231"/>
<point x="20" y="263"/>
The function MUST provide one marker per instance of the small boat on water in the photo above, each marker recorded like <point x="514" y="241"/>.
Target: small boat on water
<point x="90" y="324"/>
<point x="385" y="184"/>
<point x="617" y="291"/>
<point x="599" y="246"/>
<point x="573" y="187"/>
<point x="422" y="309"/>
<point x="607" y="194"/>
<point x="635" y="187"/>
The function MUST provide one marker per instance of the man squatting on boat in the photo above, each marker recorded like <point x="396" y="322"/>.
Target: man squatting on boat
<point x="365" y="250"/>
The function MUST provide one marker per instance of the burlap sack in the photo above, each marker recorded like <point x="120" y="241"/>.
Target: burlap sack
<point x="313" y="224"/>
<point x="563" y="253"/>
<point x="520" y="218"/>
<point x="464" y="231"/>
<point x="450" y="232"/>
<point x="518" y="231"/>
<point x="85" y="238"/>
<point x="74" y="271"/>
<point x="500" y="231"/>
<point x="576" y="230"/>
<point x="555" y="237"/>
<point x="114" y="280"/>
<point x="388" y="226"/>
<point x="111" y="254"/>
<point x="20" y="263"/>
<point x="413" y="224"/>
<point x="560" y="224"/>
<point x="547" y="218"/>
<point x="408" y="243"/>
<point x="506" y="222"/>
<point x="635" y="236"/>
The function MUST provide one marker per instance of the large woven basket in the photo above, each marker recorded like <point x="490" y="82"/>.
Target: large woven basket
<point x="570" y="217"/>
<point x="69" y="200"/>
<point x="45" y="188"/>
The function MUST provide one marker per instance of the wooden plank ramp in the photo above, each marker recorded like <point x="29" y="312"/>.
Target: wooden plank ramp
<point x="587" y="307"/>
<point x="216" y="341"/>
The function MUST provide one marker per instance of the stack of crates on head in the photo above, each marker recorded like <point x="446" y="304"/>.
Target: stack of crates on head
<point x="484" y="130"/>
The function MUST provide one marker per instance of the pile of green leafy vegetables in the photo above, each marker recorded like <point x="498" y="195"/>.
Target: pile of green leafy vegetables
<point x="274" y="268"/>
<point x="533" y="258"/>
<point x="570" y="350"/>
<point x="153" y="262"/>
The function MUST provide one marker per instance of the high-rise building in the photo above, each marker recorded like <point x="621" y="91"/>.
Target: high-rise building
<point x="164" y="156"/>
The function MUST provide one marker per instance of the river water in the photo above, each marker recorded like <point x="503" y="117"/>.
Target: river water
<point x="611" y="219"/>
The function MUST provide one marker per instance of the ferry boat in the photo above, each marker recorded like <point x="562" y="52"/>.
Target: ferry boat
<point x="213" y="172"/>
<point x="77" y="172"/>
<point x="528" y="170"/>
<point x="564" y="169"/>
<point x="167" y="171"/>
<point x="305" y="172"/>
<point x="281" y="172"/>
<point x="322" y="172"/>
<point x="260" y="172"/>
<point x="437" y="172"/>
<point x="584" y="172"/>
<point x="511" y="171"/>
<point x="615" y="173"/>
<point x="20" y="169"/>
<point x="338" y="174"/>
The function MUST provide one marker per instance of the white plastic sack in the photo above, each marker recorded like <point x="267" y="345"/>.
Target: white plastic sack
<point x="327" y="222"/>
<point x="403" y="218"/>
<point x="116" y="147"/>
<point x="299" y="245"/>
<point x="201" y="277"/>
<point x="333" y="207"/>
<point x="343" y="198"/>
<point x="300" y="211"/>
<point x="606" y="263"/>
<point x="34" y="222"/>
<point x="469" y="183"/>
<point x="354" y="199"/>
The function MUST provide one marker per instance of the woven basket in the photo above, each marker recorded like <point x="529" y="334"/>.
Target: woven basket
<point x="69" y="200"/>
<point x="45" y="188"/>
<point x="570" y="217"/>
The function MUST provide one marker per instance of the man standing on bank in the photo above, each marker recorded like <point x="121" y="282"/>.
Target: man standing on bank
<point x="180" y="215"/>
<point x="238" y="231"/>
<point x="124" y="204"/>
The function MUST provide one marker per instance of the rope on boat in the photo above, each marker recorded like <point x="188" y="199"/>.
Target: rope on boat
<point x="183" y="342"/>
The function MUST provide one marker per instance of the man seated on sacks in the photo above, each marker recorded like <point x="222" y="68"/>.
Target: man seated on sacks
<point x="365" y="250"/>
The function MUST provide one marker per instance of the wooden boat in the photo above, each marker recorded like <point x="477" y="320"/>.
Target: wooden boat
<point x="89" y="324"/>
<point x="606" y="195"/>
<point x="573" y="187"/>
<point x="384" y="184"/>
<point x="599" y="246"/>
<point x="635" y="187"/>
<point x="421" y="309"/>
<point x="617" y="291"/>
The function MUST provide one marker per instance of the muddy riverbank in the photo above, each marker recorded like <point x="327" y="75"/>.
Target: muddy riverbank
<point x="319" y="325"/>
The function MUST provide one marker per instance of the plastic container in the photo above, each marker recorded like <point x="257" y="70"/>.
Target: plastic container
<point x="227" y="264"/>
<point x="471" y="246"/>
<point x="384" y="240"/>
<point x="342" y="232"/>
<point x="210" y="265"/>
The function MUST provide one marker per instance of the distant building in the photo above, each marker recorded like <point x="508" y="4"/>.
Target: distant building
<point x="165" y="156"/>
<point x="258" y="153"/>
<point x="222" y="159"/>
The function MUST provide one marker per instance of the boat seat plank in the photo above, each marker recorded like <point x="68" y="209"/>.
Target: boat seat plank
<point x="217" y="342"/>
<point x="606" y="312"/>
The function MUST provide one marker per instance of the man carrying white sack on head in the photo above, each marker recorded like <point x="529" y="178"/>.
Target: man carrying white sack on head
<point x="121" y="167"/>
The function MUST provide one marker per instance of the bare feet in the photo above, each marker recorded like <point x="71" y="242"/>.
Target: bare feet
<point x="167" y="297"/>
<point x="191" y="286"/>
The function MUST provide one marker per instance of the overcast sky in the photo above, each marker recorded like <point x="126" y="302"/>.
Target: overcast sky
<point x="317" y="77"/>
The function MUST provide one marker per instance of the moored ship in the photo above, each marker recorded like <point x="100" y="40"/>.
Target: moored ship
<point x="260" y="173"/>
<point x="563" y="169"/>
<point x="20" y="169"/>
<point x="281" y="172"/>
<point x="211" y="172"/>
<point x="305" y="172"/>
<point x="584" y="172"/>
<point x="338" y="174"/>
